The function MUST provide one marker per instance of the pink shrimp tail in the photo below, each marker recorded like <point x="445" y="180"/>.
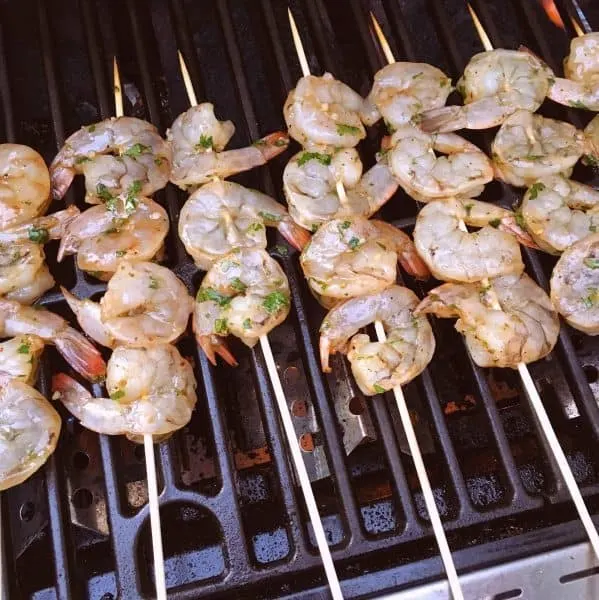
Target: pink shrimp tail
<point x="81" y="355"/>
<point x="414" y="265"/>
<point x="64" y="384"/>
<point x="297" y="236"/>
<point x="325" y="350"/>
<point x="273" y="144"/>
<point x="442" y="120"/>
<point x="213" y="345"/>
<point x="510" y="226"/>
<point x="60" y="179"/>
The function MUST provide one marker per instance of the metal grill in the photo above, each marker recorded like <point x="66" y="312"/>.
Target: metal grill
<point x="233" y="522"/>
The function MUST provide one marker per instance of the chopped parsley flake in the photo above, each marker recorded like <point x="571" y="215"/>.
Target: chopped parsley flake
<point x="238" y="285"/>
<point x="104" y="194"/>
<point x="212" y="295"/>
<point x="23" y="349"/>
<point x="378" y="389"/>
<point x="495" y="223"/>
<point x="520" y="220"/>
<point x="206" y="142"/>
<point x="247" y="324"/>
<point x="221" y="327"/>
<point x="590" y="300"/>
<point x="137" y="150"/>
<point x="279" y="143"/>
<point x="255" y="227"/>
<point x="91" y="128"/>
<point x="354" y="243"/>
<point x="534" y="190"/>
<point x="117" y="395"/>
<point x="592" y="262"/>
<point x="154" y="283"/>
<point x="578" y="104"/>
<point x="159" y="160"/>
<point x="275" y="302"/>
<point x="590" y="160"/>
<point x="38" y="235"/>
<point x="269" y="217"/>
<point x="324" y="159"/>
<point x="345" y="225"/>
<point x="468" y="208"/>
<point x="345" y="129"/>
<point x="81" y="159"/>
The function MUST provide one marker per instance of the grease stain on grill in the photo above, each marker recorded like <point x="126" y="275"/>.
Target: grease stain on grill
<point x="486" y="491"/>
<point x="270" y="546"/>
<point x="440" y="496"/>
<point x="379" y="517"/>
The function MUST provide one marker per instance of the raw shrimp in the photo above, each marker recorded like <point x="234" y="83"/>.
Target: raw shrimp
<point x="524" y="330"/>
<point x="557" y="212"/>
<point x="575" y="285"/>
<point x="222" y="216"/>
<point x="324" y="111"/>
<point x="19" y="358"/>
<point x="29" y="430"/>
<point x="245" y="294"/>
<point x="310" y="186"/>
<point x="528" y="147"/>
<point x="453" y="254"/>
<point x="151" y="391"/>
<point x="379" y="366"/>
<point x="403" y="90"/>
<point x="82" y="356"/>
<point x="24" y="185"/>
<point x="117" y="156"/>
<point x="580" y="88"/>
<point x="102" y="237"/>
<point x="424" y="176"/>
<point x="495" y="84"/>
<point x="198" y="139"/>
<point x="354" y="256"/>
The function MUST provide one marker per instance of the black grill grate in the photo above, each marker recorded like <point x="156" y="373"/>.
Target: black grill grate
<point x="241" y="531"/>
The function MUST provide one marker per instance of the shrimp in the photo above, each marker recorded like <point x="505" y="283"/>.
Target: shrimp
<point x="453" y="254"/>
<point x="528" y="147"/>
<point x="117" y="156"/>
<point x="222" y="216"/>
<point x="198" y="140"/>
<point x="580" y="87"/>
<point x="354" y="256"/>
<point x="82" y="356"/>
<point x="575" y="285"/>
<point x="245" y="294"/>
<point x="310" y="185"/>
<point x="424" y="176"/>
<point x="403" y="90"/>
<point x="24" y="185"/>
<point x="101" y="237"/>
<point x="591" y="135"/>
<point x="525" y="329"/>
<point x="19" y="359"/>
<point x="557" y="212"/>
<point x="151" y="392"/>
<point x="29" y="430"/>
<point x="495" y="84"/>
<point x="324" y="111"/>
<point x="145" y="305"/>
<point x="379" y="366"/>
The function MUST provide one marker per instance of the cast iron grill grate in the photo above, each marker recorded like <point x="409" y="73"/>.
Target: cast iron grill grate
<point x="233" y="523"/>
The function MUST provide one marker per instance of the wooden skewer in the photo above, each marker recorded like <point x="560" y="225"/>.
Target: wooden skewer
<point x="533" y="394"/>
<point x="159" y="575"/>
<point x="292" y="441"/>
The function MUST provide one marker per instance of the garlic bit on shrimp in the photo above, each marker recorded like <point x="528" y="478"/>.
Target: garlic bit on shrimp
<point x="198" y="141"/>
<point x="453" y="254"/>
<point x="379" y="366"/>
<point x="523" y="329"/>
<point x="495" y="84"/>
<point x="245" y="294"/>
<point x="355" y="256"/>
<point x="575" y="285"/>
<point x="222" y="216"/>
<point x="528" y="147"/>
<point x="151" y="391"/>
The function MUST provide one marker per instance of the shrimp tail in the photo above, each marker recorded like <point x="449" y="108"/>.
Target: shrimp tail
<point x="273" y="144"/>
<point x="414" y="265"/>
<point x="81" y="354"/>
<point x="60" y="180"/>
<point x="443" y="120"/>
<point x="213" y="345"/>
<point x="510" y="225"/>
<point x="68" y="390"/>
<point x="325" y="348"/>
<point x="297" y="236"/>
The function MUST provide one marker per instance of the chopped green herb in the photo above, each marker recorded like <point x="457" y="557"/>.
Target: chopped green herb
<point x="468" y="208"/>
<point x="91" y="128"/>
<point x="206" y="142"/>
<point x="345" y="225"/>
<point x="590" y="300"/>
<point x="259" y="143"/>
<point x="345" y="129"/>
<point x="578" y="104"/>
<point x="247" y="324"/>
<point x="38" y="235"/>
<point x="220" y="326"/>
<point x="378" y="389"/>
<point x="23" y="349"/>
<point x="154" y="283"/>
<point x="520" y="220"/>
<point x="117" y="395"/>
<point x="591" y="262"/>
<point x="445" y="82"/>
<point x="593" y="228"/>
<point x="275" y="302"/>
<point x="495" y="223"/>
<point x="132" y="193"/>
<point x="238" y="285"/>
<point x="280" y="249"/>
<point x="533" y="157"/>
<point x="120" y="253"/>
<point x="354" y="243"/>
<point x="324" y="159"/>
<point x="460" y="88"/>
<point x="81" y="159"/>
<point x="255" y="227"/>
<point x="590" y="160"/>
<point x="137" y="150"/>
<point x="269" y="217"/>
<point x="389" y="126"/>
<point x="212" y="295"/>
<point x="103" y="193"/>
<point x="534" y="190"/>
<point x="314" y="227"/>
<point x="279" y="143"/>
<point x="159" y="160"/>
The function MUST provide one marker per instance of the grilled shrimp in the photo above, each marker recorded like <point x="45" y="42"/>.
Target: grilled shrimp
<point x="145" y="305"/>
<point x="324" y="111"/>
<point x="117" y="156"/>
<point x="29" y="430"/>
<point x="525" y="329"/>
<point x="591" y="135"/>
<point x="575" y="285"/>
<point x="495" y="84"/>
<point x="403" y="90"/>
<point x="19" y="358"/>
<point x="355" y="256"/>
<point x="151" y="391"/>
<point x="198" y="140"/>
<point x="82" y="356"/>
<point x="425" y="176"/>
<point x="222" y="216"/>
<point x="379" y="366"/>
<point x="528" y="147"/>
<point x="453" y="254"/>
<point x="24" y="185"/>
<point x="310" y="186"/>
<point x="580" y="87"/>
<point x="101" y="237"/>
<point x="245" y="294"/>
<point x="557" y="212"/>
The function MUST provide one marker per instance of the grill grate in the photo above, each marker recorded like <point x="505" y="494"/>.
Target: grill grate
<point x="232" y="521"/>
